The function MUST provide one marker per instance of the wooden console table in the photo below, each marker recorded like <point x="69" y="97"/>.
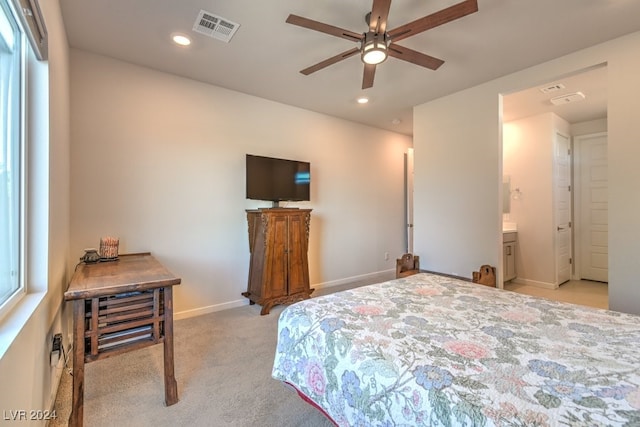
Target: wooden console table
<point x="120" y="306"/>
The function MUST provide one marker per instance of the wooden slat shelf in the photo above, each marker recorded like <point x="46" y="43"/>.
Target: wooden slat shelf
<point x="121" y="306"/>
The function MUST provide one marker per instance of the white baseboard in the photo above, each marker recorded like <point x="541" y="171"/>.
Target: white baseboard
<point x="379" y="276"/>
<point x="55" y="384"/>
<point x="545" y="285"/>
<point x="185" y="314"/>
<point x="57" y="373"/>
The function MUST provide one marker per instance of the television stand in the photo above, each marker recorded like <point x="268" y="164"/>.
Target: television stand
<point x="279" y="266"/>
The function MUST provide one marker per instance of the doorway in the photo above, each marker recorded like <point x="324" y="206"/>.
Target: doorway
<point x="408" y="198"/>
<point x="561" y="229"/>
<point x="562" y="206"/>
<point x="592" y="207"/>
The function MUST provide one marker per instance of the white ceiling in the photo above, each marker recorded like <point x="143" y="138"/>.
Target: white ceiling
<point x="592" y="83"/>
<point x="265" y="55"/>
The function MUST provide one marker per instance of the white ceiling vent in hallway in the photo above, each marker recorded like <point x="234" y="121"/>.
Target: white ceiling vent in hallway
<point x="567" y="98"/>
<point x="552" y="88"/>
<point x="215" y="26"/>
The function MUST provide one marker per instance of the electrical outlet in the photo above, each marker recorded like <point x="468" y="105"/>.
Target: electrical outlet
<point x="56" y="350"/>
<point x="57" y="342"/>
<point x="386" y="256"/>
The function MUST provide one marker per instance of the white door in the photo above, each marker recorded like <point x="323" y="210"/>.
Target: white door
<point x="562" y="207"/>
<point x="409" y="197"/>
<point x="592" y="162"/>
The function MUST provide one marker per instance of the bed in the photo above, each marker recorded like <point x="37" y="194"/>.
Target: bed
<point x="429" y="350"/>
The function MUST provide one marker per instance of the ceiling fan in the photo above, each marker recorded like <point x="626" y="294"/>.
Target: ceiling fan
<point x="378" y="43"/>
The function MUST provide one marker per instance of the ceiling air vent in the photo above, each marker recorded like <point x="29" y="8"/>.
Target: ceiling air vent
<point x="552" y="88"/>
<point x="569" y="97"/>
<point x="215" y="26"/>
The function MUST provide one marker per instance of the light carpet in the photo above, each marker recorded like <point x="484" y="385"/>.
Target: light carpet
<point x="223" y="367"/>
<point x="223" y="364"/>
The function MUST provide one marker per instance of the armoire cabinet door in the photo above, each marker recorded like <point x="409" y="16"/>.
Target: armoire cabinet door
<point x="297" y="255"/>
<point x="276" y="256"/>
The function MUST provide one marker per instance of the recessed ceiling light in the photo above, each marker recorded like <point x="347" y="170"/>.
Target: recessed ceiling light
<point x="181" y="39"/>
<point x="362" y="100"/>
<point x="396" y="121"/>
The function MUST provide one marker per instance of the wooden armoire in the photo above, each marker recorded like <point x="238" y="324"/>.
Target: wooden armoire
<point x="279" y="268"/>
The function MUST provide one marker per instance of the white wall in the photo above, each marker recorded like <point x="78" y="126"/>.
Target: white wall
<point x="458" y="175"/>
<point x="457" y="158"/>
<point x="158" y="161"/>
<point x="589" y="127"/>
<point x="624" y="174"/>
<point x="528" y="147"/>
<point x="28" y="381"/>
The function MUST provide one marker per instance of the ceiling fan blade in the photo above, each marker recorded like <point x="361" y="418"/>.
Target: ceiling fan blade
<point x="323" y="28"/>
<point x="435" y="19"/>
<point x="330" y="61"/>
<point x="379" y="15"/>
<point x="414" y="57"/>
<point x="367" y="77"/>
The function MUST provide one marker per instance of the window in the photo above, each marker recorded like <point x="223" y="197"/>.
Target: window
<point x="11" y="72"/>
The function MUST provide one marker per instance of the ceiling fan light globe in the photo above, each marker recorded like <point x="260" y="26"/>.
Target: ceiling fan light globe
<point x="374" y="49"/>
<point x="374" y="56"/>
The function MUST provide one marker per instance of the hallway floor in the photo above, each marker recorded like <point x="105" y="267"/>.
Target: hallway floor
<point x="583" y="292"/>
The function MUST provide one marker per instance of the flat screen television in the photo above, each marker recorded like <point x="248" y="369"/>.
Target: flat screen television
<point x="277" y="180"/>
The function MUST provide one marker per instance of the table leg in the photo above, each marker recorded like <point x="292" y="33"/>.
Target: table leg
<point x="170" y="384"/>
<point x="77" y="399"/>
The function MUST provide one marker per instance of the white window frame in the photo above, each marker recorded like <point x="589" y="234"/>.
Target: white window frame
<point x="11" y="302"/>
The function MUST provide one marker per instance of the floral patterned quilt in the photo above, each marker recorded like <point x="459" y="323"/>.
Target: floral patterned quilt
<point x="429" y="350"/>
